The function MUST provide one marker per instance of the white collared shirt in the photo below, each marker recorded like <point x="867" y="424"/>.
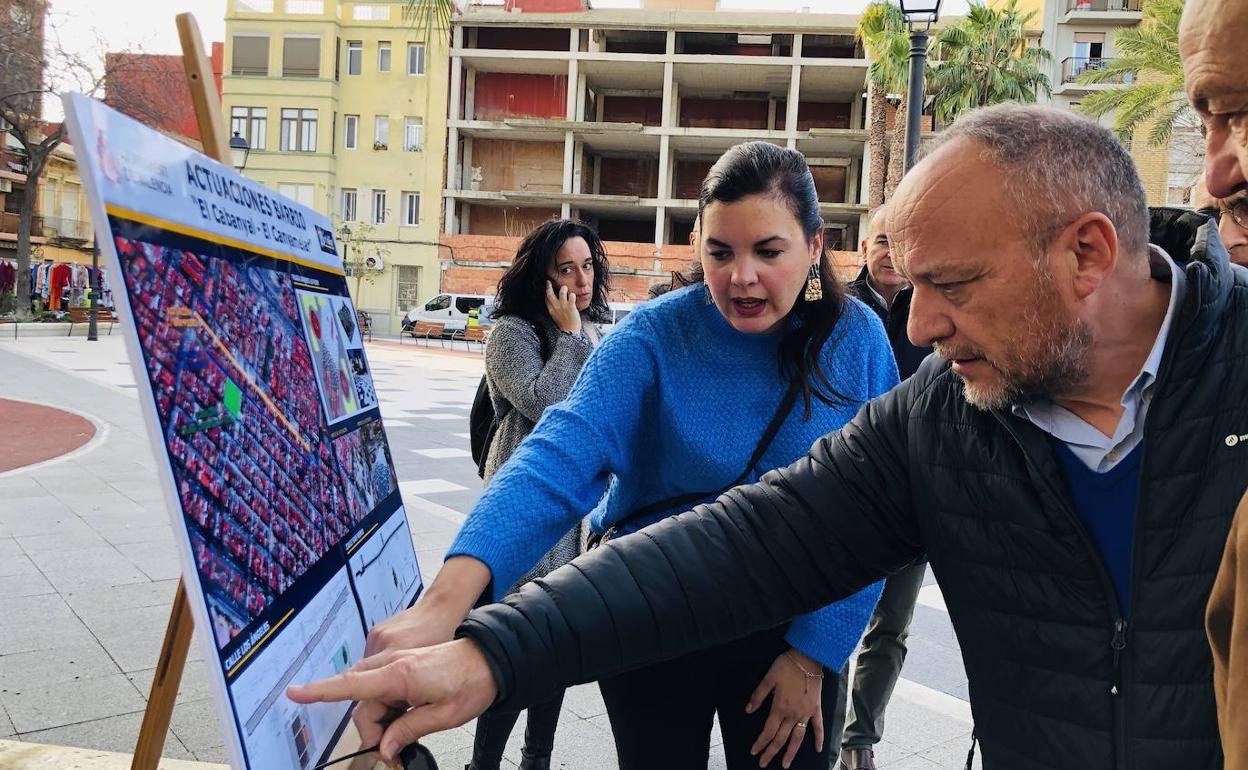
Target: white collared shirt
<point x="1096" y="450"/>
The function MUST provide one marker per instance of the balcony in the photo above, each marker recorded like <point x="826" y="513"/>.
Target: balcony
<point x="1102" y="13"/>
<point x="8" y="227"/>
<point x="1104" y="6"/>
<point x="66" y="229"/>
<point x="1074" y="66"/>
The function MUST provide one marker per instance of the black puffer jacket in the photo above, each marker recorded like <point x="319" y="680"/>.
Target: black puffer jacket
<point x="1057" y="679"/>
<point x="908" y="355"/>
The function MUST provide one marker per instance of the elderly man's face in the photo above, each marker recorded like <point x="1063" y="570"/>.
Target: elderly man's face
<point x="1010" y="329"/>
<point x="875" y="252"/>
<point x="1211" y="39"/>
<point x="1234" y="235"/>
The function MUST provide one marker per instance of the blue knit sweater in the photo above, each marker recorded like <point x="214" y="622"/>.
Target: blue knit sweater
<point x="674" y="401"/>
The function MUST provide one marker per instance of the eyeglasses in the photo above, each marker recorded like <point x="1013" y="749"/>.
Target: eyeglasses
<point x="414" y="757"/>
<point x="1238" y="211"/>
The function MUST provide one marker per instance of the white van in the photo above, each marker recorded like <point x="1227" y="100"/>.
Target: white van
<point x="618" y="311"/>
<point x="452" y="310"/>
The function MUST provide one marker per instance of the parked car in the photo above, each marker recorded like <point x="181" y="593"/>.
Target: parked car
<point x="451" y="310"/>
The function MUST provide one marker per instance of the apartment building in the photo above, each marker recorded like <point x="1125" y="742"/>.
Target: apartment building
<point x="615" y="116"/>
<point x="344" y="107"/>
<point x="1080" y="34"/>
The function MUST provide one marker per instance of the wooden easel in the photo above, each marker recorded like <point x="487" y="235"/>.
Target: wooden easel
<point x="172" y="660"/>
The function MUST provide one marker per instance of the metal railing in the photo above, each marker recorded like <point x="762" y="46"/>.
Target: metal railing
<point x="60" y="227"/>
<point x="1104" y="6"/>
<point x="8" y="224"/>
<point x="1074" y="66"/>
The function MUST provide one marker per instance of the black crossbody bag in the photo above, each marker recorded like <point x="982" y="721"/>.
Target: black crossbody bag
<point x="684" y="501"/>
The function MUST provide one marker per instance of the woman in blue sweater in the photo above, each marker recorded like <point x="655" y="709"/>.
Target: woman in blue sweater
<point x="674" y="402"/>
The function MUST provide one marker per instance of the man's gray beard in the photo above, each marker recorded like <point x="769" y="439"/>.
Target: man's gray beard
<point x="1060" y="365"/>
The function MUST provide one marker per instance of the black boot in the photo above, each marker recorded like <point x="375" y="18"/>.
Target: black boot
<point x="528" y="762"/>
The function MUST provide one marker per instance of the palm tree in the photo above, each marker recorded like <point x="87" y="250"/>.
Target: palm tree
<point x="985" y="59"/>
<point x="1147" y="60"/>
<point x="430" y="16"/>
<point x="882" y="30"/>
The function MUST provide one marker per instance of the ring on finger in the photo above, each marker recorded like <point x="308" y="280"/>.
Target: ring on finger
<point x="801" y="725"/>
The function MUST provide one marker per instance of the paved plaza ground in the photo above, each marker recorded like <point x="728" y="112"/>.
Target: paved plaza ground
<point x="88" y="568"/>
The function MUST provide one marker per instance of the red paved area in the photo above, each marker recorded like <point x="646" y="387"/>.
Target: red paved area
<point x="31" y="433"/>
<point x="458" y="351"/>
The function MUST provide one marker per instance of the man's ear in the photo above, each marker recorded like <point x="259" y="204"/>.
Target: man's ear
<point x="1091" y="245"/>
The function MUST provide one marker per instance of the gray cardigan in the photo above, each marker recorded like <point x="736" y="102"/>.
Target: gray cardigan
<point x="521" y="384"/>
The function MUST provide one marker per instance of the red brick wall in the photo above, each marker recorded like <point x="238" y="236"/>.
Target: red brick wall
<point x="508" y="165"/>
<point x="474" y="263"/>
<point x="646" y="110"/>
<point x="630" y="176"/>
<point x="152" y="88"/>
<point x="723" y="113"/>
<point x="502" y="95"/>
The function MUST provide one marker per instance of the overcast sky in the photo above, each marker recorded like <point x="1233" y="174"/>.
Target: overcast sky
<point x="89" y="27"/>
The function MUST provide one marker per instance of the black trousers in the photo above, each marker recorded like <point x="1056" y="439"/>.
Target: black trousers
<point x="662" y="715"/>
<point x="494" y="728"/>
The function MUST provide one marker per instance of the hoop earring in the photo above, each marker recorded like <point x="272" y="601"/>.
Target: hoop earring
<point x="814" y="285"/>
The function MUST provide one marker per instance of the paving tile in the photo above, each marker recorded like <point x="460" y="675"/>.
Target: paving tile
<point x="64" y="703"/>
<point x="108" y="502"/>
<point x="68" y="580"/>
<point x="133" y="637"/>
<point x="156" y="561"/>
<point x="952" y="753"/>
<point x="24" y="610"/>
<point x="114" y="733"/>
<point x="7" y="730"/>
<point x="916" y="729"/>
<point x="584" y="700"/>
<point x="17" y="564"/>
<point x="28" y="584"/>
<point x="15" y="487"/>
<point x="96" y="602"/>
<point x="38" y="516"/>
<point x="215" y="754"/>
<point x="58" y="664"/>
<point x="196" y="725"/>
<point x="73" y="540"/>
<point x="43" y="635"/>
<point x="914" y="762"/>
<point x="193" y="687"/>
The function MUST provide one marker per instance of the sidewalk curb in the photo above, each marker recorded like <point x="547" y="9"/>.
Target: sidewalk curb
<point x="15" y="755"/>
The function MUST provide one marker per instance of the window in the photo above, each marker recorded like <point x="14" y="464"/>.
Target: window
<point x="308" y="7"/>
<point x="298" y="130"/>
<point x="379" y="207"/>
<point x="411" y="209"/>
<point x="350" y="131"/>
<point x="440" y="302"/>
<point x="415" y="58"/>
<point x="251" y="55"/>
<point x="383" y="56"/>
<point x="301" y="193"/>
<point x="355" y="56"/>
<point x="301" y="57"/>
<point x="371" y="13"/>
<point x="407" y="288"/>
<point x="466" y="305"/>
<point x="349" y="208"/>
<point x="411" y="134"/>
<point x="381" y="132"/>
<point x="251" y="123"/>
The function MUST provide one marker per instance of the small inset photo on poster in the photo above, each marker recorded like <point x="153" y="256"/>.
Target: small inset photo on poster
<point x="384" y="570"/>
<point x="345" y="384"/>
<point x="367" y="468"/>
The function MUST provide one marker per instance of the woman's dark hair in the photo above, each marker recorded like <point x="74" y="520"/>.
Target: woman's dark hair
<point x="522" y="289"/>
<point x="761" y="168"/>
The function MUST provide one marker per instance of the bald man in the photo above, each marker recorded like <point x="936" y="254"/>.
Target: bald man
<point x="1211" y="41"/>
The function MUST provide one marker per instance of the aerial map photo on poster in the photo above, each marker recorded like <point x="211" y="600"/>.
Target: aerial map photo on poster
<point x="257" y="392"/>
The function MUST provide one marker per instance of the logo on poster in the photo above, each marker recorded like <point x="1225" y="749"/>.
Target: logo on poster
<point x="327" y="240"/>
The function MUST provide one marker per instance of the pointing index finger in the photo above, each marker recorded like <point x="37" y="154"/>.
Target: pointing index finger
<point x="373" y="684"/>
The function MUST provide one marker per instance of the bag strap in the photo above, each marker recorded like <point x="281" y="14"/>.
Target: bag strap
<point x="773" y="427"/>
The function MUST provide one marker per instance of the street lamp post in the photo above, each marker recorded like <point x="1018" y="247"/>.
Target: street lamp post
<point x="920" y="16"/>
<point x="239" y="150"/>
<point x="93" y="286"/>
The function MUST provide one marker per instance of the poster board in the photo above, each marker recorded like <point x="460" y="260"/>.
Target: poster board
<point x="260" y="404"/>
